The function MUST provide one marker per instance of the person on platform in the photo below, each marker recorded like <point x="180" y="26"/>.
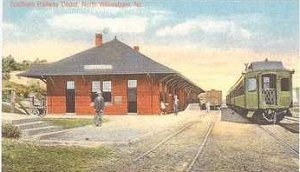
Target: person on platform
<point x="176" y="105"/>
<point x="162" y="108"/>
<point x="99" y="107"/>
<point x="207" y="107"/>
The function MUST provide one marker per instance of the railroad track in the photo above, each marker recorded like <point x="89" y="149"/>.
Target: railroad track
<point x="164" y="141"/>
<point x="292" y="119"/>
<point x="291" y="124"/>
<point x="281" y="141"/>
<point x="211" y="126"/>
<point x="198" y="146"/>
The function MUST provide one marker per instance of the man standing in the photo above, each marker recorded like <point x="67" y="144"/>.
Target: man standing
<point x="99" y="106"/>
<point x="207" y="106"/>
<point x="176" y="105"/>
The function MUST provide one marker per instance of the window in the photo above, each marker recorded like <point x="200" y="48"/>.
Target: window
<point x="269" y="81"/>
<point x="95" y="88"/>
<point x="251" y="84"/>
<point x="70" y="85"/>
<point x="285" y="84"/>
<point x="106" y="89"/>
<point x="132" y="83"/>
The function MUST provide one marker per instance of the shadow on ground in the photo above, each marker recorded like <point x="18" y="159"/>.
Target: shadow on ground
<point x="292" y="127"/>
<point x="229" y="115"/>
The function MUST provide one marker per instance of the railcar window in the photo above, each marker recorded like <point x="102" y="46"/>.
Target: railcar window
<point x="251" y="84"/>
<point x="285" y="84"/>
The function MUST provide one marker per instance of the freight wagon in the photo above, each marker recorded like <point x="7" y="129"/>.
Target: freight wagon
<point x="214" y="97"/>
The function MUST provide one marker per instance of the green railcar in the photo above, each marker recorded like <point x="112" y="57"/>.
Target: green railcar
<point x="263" y="92"/>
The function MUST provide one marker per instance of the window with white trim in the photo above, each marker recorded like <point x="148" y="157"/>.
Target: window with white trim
<point x="132" y="83"/>
<point x="96" y="87"/>
<point x="70" y="85"/>
<point x="106" y="91"/>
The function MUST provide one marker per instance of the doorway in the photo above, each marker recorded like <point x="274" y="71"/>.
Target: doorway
<point x="269" y="89"/>
<point x="132" y="96"/>
<point x="70" y="97"/>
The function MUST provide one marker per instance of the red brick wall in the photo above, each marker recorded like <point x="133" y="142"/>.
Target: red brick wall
<point x="56" y="100"/>
<point x="147" y="94"/>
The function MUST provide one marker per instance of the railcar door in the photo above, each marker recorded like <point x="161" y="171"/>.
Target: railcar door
<point x="268" y="92"/>
<point x="285" y="91"/>
<point x="251" y="92"/>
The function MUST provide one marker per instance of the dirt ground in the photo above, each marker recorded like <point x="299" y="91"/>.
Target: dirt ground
<point x="242" y="146"/>
<point x="235" y="144"/>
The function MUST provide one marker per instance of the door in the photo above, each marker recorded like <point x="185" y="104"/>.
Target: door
<point x="269" y="89"/>
<point x="132" y="96"/>
<point x="70" y="97"/>
<point x="251" y="91"/>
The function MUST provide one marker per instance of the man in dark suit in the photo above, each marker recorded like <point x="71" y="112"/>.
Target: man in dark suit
<point x="99" y="106"/>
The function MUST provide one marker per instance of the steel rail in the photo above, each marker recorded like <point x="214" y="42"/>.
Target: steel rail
<point x="165" y="140"/>
<point x="280" y="141"/>
<point x="296" y="119"/>
<point x="208" y="132"/>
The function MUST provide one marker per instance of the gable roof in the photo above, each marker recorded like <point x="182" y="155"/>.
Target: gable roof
<point x="113" y="57"/>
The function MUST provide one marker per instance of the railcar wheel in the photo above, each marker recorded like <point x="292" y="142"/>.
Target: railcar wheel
<point x="269" y="115"/>
<point x="256" y="118"/>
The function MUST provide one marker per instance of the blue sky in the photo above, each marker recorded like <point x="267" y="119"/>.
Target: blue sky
<point x="247" y="30"/>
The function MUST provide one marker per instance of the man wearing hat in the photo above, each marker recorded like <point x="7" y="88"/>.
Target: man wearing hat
<point x="99" y="106"/>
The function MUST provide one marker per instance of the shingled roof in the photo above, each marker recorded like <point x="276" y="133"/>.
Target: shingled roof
<point x="113" y="57"/>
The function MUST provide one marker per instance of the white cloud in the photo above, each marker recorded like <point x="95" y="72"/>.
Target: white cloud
<point x="130" y="24"/>
<point x="9" y="27"/>
<point x="231" y="28"/>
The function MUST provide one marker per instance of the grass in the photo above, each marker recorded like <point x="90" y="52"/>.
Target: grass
<point x="20" y="156"/>
<point x="70" y="122"/>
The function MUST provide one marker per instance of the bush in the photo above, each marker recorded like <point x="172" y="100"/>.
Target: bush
<point x="10" y="131"/>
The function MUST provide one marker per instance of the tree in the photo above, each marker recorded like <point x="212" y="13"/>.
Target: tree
<point x="8" y="64"/>
<point x="25" y="65"/>
<point x="38" y="61"/>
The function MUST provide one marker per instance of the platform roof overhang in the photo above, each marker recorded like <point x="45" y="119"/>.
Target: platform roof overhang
<point x="179" y="81"/>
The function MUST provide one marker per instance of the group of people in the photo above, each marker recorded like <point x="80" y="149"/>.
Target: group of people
<point x="98" y="104"/>
<point x="163" y="106"/>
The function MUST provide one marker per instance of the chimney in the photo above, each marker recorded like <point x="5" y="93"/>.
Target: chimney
<point x="136" y="48"/>
<point x="98" y="40"/>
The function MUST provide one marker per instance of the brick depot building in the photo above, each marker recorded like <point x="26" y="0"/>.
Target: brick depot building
<point x="130" y="81"/>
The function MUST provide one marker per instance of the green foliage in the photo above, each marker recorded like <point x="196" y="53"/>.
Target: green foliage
<point x="37" y="89"/>
<point x="9" y="64"/>
<point x="25" y="64"/>
<point x="23" y="91"/>
<point x="21" y="156"/>
<point x="10" y="131"/>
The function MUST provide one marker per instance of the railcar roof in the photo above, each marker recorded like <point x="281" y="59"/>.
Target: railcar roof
<point x="266" y="65"/>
